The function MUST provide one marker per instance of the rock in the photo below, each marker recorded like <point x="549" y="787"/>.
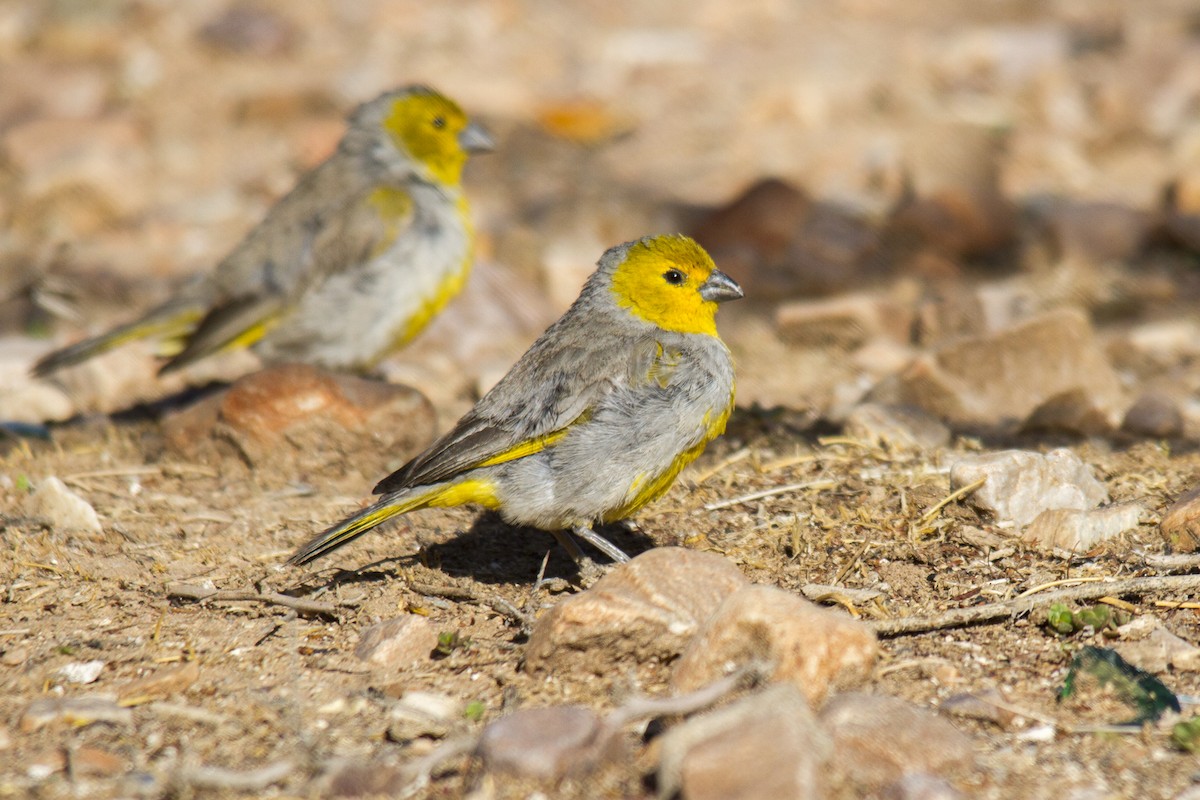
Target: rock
<point x="1182" y="211"/>
<point x="22" y="397"/>
<point x="363" y="779"/>
<point x="767" y="745"/>
<point x="896" y="427"/>
<point x="998" y="380"/>
<point x="423" y="714"/>
<point x="15" y="656"/>
<point x="250" y="30"/>
<point x="1073" y="412"/>
<point x="94" y="762"/>
<point x="62" y="508"/>
<point x="398" y="642"/>
<point x="5" y="738"/>
<point x="648" y="608"/>
<point x="846" y="322"/>
<point x="74" y="711"/>
<point x="1076" y="530"/>
<point x="952" y="223"/>
<point x="814" y="648"/>
<point x="1180" y="524"/>
<point x="1090" y="233"/>
<point x="1155" y="416"/>
<point x="1148" y="645"/>
<point x="1161" y="344"/>
<point x="81" y="671"/>
<point x="44" y="764"/>
<point x="878" y="740"/>
<point x="293" y="409"/>
<point x="543" y="743"/>
<point x="777" y="242"/>
<point x="162" y="683"/>
<point x="1020" y="484"/>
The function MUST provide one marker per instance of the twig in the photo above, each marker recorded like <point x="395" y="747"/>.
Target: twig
<point x="791" y="487"/>
<point x="1060" y="582"/>
<point x="992" y="612"/>
<point x="950" y="498"/>
<point x="252" y="780"/>
<point x="639" y="708"/>
<point x="497" y="604"/>
<point x="820" y="591"/>
<point x="201" y="594"/>
<point x="1169" y="562"/>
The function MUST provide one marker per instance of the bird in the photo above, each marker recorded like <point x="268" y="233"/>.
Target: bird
<point x="348" y="266"/>
<point x="596" y="419"/>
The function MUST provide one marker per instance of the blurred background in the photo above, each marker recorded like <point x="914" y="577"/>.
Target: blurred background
<point x="990" y="211"/>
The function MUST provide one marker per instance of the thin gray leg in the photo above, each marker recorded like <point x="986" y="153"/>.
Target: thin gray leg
<point x="567" y="543"/>
<point x="600" y="543"/>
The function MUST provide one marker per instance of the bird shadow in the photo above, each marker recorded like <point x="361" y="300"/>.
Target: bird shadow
<point x="491" y="551"/>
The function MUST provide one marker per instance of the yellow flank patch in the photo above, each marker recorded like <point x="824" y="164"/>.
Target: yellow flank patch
<point x="473" y="490"/>
<point x="641" y="285"/>
<point x="426" y="126"/>
<point x="394" y="207"/>
<point x="646" y="489"/>
<point x="449" y="287"/>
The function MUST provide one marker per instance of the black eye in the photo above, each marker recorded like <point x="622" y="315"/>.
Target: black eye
<point x="674" y="277"/>
<point x="439" y="122"/>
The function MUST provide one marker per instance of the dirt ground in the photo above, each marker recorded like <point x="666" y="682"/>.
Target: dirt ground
<point x="274" y="684"/>
<point x="139" y="141"/>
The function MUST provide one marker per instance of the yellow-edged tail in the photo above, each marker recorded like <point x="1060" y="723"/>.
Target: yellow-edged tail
<point x="348" y="530"/>
<point x="171" y="325"/>
<point x="459" y="493"/>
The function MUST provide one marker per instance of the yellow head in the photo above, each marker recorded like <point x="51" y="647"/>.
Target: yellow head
<point x="435" y="132"/>
<point x="672" y="282"/>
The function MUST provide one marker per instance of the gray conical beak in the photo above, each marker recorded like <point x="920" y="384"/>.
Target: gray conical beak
<point x="720" y="287"/>
<point x="475" y="139"/>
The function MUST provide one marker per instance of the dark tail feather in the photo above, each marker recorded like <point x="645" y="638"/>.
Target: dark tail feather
<point x="168" y="322"/>
<point x="353" y="527"/>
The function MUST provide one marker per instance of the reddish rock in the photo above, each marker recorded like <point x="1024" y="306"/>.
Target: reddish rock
<point x="845" y="323"/>
<point x="251" y="30"/>
<point x="1154" y="416"/>
<point x="777" y="242"/>
<point x="1180" y="524"/>
<point x="93" y="761"/>
<point x="293" y="409"/>
<point x="999" y="380"/>
<point x="816" y="649"/>
<point x="648" y="608"/>
<point x="761" y="747"/>
<point x="877" y="740"/>
<point x="543" y="743"/>
<point x="397" y="643"/>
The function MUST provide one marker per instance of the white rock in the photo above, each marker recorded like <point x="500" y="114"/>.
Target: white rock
<point x="1021" y="484"/>
<point x="1075" y="530"/>
<point x="64" y="509"/>
<point x="81" y="671"/>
